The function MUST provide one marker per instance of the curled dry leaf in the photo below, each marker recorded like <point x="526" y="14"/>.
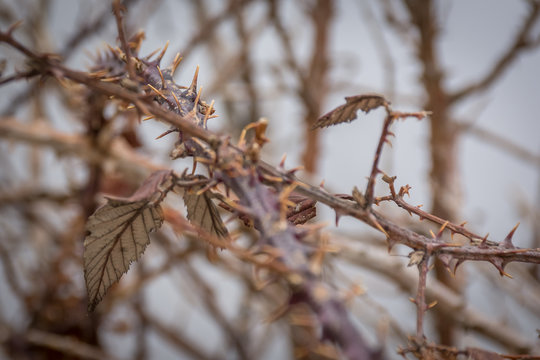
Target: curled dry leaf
<point x="347" y="111"/>
<point x="303" y="211"/>
<point x="118" y="234"/>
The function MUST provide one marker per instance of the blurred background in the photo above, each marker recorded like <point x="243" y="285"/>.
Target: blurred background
<point x="474" y="64"/>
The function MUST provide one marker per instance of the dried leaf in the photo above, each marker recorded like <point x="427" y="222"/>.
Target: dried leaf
<point x="347" y="111"/>
<point x="202" y="212"/>
<point x="118" y="235"/>
<point x="416" y="257"/>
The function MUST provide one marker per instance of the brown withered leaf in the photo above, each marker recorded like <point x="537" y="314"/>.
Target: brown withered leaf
<point x="202" y="212"/>
<point x="118" y="234"/>
<point x="416" y="257"/>
<point x="347" y="111"/>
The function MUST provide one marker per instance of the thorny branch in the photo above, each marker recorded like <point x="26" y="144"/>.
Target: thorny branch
<point x="239" y="168"/>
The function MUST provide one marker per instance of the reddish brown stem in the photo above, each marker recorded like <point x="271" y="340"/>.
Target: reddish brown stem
<point x="370" y="188"/>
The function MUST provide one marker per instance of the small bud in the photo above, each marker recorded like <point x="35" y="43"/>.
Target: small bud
<point x="432" y="304"/>
<point x="389" y="179"/>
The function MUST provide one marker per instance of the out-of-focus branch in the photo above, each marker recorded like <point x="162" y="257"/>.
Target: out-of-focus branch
<point x="380" y="43"/>
<point x="500" y="142"/>
<point x="211" y="24"/>
<point x="420" y="299"/>
<point x="208" y="298"/>
<point x="122" y="157"/>
<point x="312" y="80"/>
<point x="64" y="344"/>
<point x="175" y="337"/>
<point x="32" y="195"/>
<point x="522" y="43"/>
<point x="10" y="273"/>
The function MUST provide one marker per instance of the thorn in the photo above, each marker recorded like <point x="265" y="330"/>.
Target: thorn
<point x="441" y="230"/>
<point x="282" y="161"/>
<point x="507" y="243"/>
<point x="208" y="186"/>
<point x="166" y="133"/>
<point x="271" y="178"/>
<point x="338" y="216"/>
<point x="176" y="62"/>
<point x="463" y="224"/>
<point x="194" y="110"/>
<point x="432" y="304"/>
<point x="321" y="185"/>
<point x="160" y="56"/>
<point x="459" y="262"/>
<point x="207" y="115"/>
<point x="184" y="173"/>
<point x="484" y="241"/>
<point x="242" y="139"/>
<point x="158" y="92"/>
<point x="111" y="49"/>
<point x="295" y="169"/>
<point x="149" y="117"/>
<point x="312" y="228"/>
<point x="236" y="206"/>
<point x="111" y="79"/>
<point x="412" y="300"/>
<point x="176" y="100"/>
<point x="151" y="54"/>
<point x="163" y="84"/>
<point x="445" y="259"/>
<point x="284" y="199"/>
<point x="499" y="264"/>
<point x="13" y="27"/>
<point x="193" y="87"/>
<point x="391" y="244"/>
<point x="378" y="226"/>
